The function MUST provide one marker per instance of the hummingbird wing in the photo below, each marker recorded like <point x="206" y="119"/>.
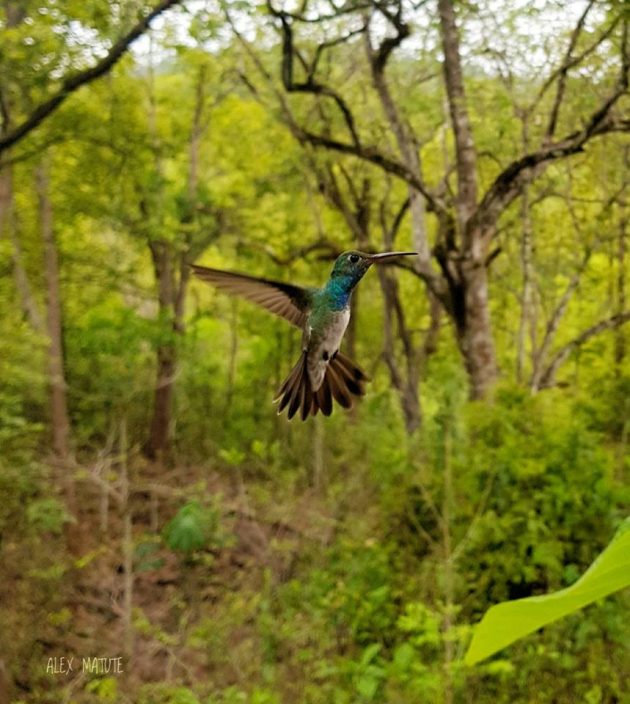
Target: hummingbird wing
<point x="288" y="301"/>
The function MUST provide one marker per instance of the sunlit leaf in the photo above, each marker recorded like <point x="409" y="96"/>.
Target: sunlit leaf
<point x="507" y="622"/>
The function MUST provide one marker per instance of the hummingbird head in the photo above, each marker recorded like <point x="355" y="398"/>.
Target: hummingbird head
<point x="352" y="265"/>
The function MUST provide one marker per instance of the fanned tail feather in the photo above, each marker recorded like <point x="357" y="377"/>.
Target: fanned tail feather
<point x="352" y="374"/>
<point x="323" y="398"/>
<point x="343" y="381"/>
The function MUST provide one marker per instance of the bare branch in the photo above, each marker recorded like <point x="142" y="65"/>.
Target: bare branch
<point x="556" y="317"/>
<point x="388" y="44"/>
<point x="563" y="72"/>
<point x="349" y="8"/>
<point x="329" y="45"/>
<point x="377" y="59"/>
<point x="311" y="85"/>
<point x="395" y="226"/>
<point x="371" y="154"/>
<point x="509" y="182"/>
<point x="326" y="249"/>
<point x="572" y="61"/>
<point x="548" y="378"/>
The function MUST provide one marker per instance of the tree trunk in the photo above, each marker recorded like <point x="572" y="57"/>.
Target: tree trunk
<point x="474" y="330"/>
<point x="526" y="291"/>
<point x="448" y="509"/>
<point x="158" y="444"/>
<point x="620" y="348"/>
<point x="411" y="407"/>
<point x="59" y="417"/>
<point x="14" y="16"/>
<point x="620" y="306"/>
<point x="127" y="545"/>
<point x="58" y="399"/>
<point x="8" y="231"/>
<point x="407" y="384"/>
<point x="172" y="275"/>
<point x="470" y="292"/>
<point x="408" y="152"/>
<point x="171" y="301"/>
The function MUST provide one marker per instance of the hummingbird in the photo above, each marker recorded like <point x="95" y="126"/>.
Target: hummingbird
<point x="322" y="373"/>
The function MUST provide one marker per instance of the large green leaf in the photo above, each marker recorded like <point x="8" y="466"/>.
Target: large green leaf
<point x="504" y="623"/>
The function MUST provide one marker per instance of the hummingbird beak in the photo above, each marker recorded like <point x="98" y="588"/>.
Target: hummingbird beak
<point x="386" y="256"/>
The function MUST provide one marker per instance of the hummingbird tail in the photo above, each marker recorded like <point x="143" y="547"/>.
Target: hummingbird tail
<point x="296" y="392"/>
<point x="343" y="380"/>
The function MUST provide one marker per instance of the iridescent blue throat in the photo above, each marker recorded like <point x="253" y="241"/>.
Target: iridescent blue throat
<point x="339" y="289"/>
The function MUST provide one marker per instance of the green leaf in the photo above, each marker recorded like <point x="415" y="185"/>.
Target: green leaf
<point x="367" y="686"/>
<point x="404" y="655"/>
<point x="370" y="653"/>
<point x="504" y="623"/>
<point x="190" y="529"/>
<point x="106" y="689"/>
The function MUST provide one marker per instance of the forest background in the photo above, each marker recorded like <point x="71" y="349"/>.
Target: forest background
<point x="153" y="506"/>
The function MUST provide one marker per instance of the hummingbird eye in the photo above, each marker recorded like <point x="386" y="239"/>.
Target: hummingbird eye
<point x="354" y="258"/>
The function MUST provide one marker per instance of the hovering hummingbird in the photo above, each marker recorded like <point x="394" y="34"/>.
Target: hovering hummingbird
<point x="322" y="372"/>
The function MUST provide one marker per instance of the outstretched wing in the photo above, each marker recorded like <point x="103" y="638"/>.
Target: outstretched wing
<point x="287" y="301"/>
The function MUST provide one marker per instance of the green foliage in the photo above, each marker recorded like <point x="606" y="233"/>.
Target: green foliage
<point x="105" y="341"/>
<point x="47" y="514"/>
<point x="166" y="694"/>
<point x="192" y="528"/>
<point x="105" y="689"/>
<point x="23" y="385"/>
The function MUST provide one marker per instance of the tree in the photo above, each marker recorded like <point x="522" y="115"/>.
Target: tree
<point x="468" y="215"/>
<point x="62" y="455"/>
<point x="71" y="82"/>
<point x="198" y="224"/>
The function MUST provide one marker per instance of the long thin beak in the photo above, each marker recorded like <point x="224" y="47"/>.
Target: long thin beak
<point x="386" y="256"/>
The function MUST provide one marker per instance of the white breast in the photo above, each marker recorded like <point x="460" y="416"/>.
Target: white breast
<point x="336" y="331"/>
<point x="323" y="350"/>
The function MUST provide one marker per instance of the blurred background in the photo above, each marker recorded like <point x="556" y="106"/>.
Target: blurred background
<point x="153" y="506"/>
